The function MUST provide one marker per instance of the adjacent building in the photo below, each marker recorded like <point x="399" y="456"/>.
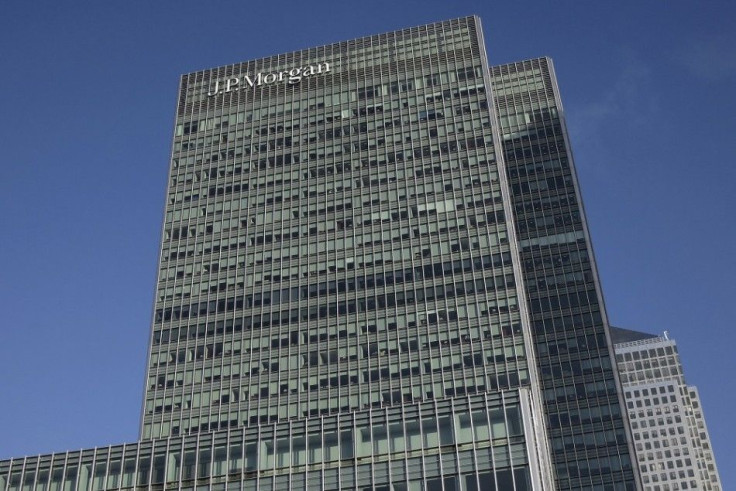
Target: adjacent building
<point x="583" y="412"/>
<point x="672" y="443"/>
<point x="375" y="273"/>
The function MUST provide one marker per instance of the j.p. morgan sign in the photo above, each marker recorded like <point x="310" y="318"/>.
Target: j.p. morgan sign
<point x="292" y="76"/>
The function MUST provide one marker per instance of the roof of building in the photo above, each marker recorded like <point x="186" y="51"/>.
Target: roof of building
<point x="619" y="335"/>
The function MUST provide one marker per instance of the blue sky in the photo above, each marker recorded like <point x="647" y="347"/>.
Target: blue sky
<point x="87" y="97"/>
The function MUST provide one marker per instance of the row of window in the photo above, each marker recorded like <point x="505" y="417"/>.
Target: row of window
<point x="228" y="129"/>
<point x="510" y="351"/>
<point x="364" y="304"/>
<point x="299" y="125"/>
<point x="243" y="453"/>
<point x="357" y="283"/>
<point x="393" y="233"/>
<point x="277" y="261"/>
<point x="483" y="183"/>
<point x="316" y="119"/>
<point x="643" y="354"/>
<point x="296" y="178"/>
<point x="477" y="351"/>
<point x="389" y="174"/>
<point x="397" y="153"/>
<point x="306" y="388"/>
<point x="421" y="200"/>
<point x="568" y="368"/>
<point x="281" y="406"/>
<point x="282" y="265"/>
<point x="334" y="331"/>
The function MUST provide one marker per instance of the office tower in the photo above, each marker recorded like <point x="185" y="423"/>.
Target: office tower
<point x="344" y="250"/>
<point x="568" y="319"/>
<point x="672" y="443"/>
<point x="341" y="299"/>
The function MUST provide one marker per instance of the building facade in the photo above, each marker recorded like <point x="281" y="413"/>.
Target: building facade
<point x="672" y="443"/>
<point x="373" y="275"/>
<point x="586" y="424"/>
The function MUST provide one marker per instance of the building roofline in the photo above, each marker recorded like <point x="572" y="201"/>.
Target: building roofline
<point x="621" y="336"/>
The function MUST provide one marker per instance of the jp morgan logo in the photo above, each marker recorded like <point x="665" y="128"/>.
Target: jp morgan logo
<point x="293" y="76"/>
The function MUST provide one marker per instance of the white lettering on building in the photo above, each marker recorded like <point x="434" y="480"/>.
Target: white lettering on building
<point x="291" y="77"/>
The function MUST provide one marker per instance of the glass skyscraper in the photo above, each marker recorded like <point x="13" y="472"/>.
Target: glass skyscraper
<point x="374" y="274"/>
<point x="583" y="410"/>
